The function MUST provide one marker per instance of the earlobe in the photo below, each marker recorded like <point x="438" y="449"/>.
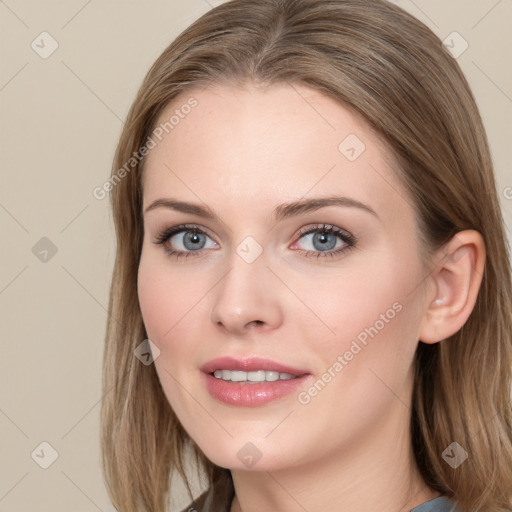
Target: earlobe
<point x="456" y="281"/>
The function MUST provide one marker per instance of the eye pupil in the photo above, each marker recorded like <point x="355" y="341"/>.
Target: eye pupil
<point x="194" y="239"/>
<point x="323" y="238"/>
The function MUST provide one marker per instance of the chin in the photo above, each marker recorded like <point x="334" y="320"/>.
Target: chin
<point x="250" y="454"/>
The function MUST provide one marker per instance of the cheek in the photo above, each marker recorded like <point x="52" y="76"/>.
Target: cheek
<point x="167" y="302"/>
<point x="165" y="296"/>
<point x="355" y="297"/>
<point x="156" y="305"/>
<point x="371" y="315"/>
<point x="175" y="311"/>
<point x="366" y="364"/>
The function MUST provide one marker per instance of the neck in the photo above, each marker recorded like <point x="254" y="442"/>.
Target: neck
<point x="376" y="472"/>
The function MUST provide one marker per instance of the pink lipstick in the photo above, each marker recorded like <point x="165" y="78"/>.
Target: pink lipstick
<point x="251" y="382"/>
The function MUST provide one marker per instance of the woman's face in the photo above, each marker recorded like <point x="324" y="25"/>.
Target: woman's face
<point x="332" y="294"/>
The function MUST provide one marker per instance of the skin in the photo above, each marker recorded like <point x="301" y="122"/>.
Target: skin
<point x="242" y="151"/>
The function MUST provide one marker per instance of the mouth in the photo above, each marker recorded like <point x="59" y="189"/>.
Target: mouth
<point x="251" y="382"/>
<point x="253" y="376"/>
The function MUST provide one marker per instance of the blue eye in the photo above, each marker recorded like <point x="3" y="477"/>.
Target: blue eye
<point x="190" y="240"/>
<point x="326" y="238"/>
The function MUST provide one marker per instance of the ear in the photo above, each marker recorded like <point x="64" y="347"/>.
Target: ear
<point x="454" y="282"/>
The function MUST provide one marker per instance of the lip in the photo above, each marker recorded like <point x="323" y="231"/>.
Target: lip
<point x="249" y="365"/>
<point x="245" y="394"/>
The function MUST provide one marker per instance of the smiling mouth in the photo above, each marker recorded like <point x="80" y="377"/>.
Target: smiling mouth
<point x="251" y="382"/>
<point x="250" y="377"/>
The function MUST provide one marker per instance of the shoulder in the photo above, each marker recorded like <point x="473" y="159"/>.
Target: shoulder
<point x="439" y="504"/>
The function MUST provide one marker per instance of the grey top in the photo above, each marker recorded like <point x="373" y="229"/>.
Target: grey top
<point x="439" y="504"/>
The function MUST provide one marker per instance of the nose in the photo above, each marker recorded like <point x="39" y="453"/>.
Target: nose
<point x="247" y="298"/>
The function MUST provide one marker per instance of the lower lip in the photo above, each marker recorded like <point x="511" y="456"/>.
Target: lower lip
<point x="246" y="394"/>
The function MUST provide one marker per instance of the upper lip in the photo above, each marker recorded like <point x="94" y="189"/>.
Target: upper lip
<point x="249" y="364"/>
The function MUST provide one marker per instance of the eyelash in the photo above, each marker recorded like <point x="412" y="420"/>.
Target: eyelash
<point x="349" y="239"/>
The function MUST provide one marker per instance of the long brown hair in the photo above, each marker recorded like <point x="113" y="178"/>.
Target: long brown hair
<point x="390" y="68"/>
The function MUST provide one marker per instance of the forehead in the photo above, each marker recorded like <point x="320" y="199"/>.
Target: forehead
<point x="240" y="146"/>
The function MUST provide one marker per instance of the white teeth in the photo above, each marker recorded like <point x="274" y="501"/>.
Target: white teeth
<point x="256" y="376"/>
<point x="238" y="376"/>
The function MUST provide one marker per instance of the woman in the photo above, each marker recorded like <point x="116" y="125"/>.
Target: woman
<point x="311" y="252"/>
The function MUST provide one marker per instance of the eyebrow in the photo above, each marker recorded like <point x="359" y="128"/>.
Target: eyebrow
<point x="281" y="212"/>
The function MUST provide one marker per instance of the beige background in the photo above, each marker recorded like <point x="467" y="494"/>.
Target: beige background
<point x="60" y="120"/>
